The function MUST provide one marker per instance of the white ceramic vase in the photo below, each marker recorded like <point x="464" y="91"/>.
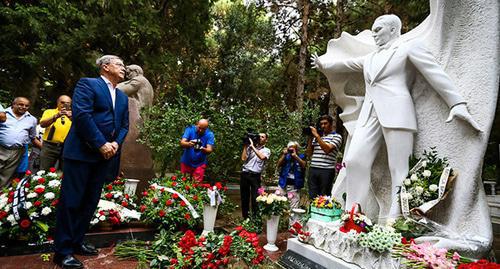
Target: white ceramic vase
<point x="272" y="233"/>
<point x="209" y="216"/>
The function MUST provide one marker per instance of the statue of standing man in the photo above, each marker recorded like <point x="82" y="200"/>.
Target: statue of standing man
<point x="388" y="113"/>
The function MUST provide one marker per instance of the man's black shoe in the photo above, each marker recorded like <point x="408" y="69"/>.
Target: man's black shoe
<point x="86" y="249"/>
<point x="67" y="261"/>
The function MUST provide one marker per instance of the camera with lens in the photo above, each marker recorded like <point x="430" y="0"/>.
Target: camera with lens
<point x="251" y="135"/>
<point x="290" y="150"/>
<point x="307" y="130"/>
<point x="197" y="144"/>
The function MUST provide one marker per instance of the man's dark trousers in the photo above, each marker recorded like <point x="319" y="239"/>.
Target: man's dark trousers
<point x="81" y="190"/>
<point x="249" y="184"/>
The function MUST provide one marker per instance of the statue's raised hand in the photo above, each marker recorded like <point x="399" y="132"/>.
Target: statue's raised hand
<point x="315" y="62"/>
<point x="460" y="111"/>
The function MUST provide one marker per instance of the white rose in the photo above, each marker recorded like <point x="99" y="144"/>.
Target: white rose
<point x="7" y="208"/>
<point x="28" y="205"/>
<point x="409" y="196"/>
<point x="54" y="183"/>
<point x="270" y="200"/>
<point x="433" y="187"/>
<point x="40" y="186"/>
<point x="11" y="219"/>
<point x="426" y="173"/>
<point x="34" y="215"/>
<point x="407" y="182"/>
<point x="31" y="195"/>
<point x="49" y="196"/>
<point x="414" y="177"/>
<point x="41" y="172"/>
<point x="94" y="221"/>
<point x="419" y="190"/>
<point x="102" y="218"/>
<point x="46" y="211"/>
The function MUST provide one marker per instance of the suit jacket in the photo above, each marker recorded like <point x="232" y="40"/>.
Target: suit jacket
<point x="95" y="122"/>
<point x="388" y="88"/>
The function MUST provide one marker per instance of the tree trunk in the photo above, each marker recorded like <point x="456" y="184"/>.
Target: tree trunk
<point x="299" y="93"/>
<point x="339" y="20"/>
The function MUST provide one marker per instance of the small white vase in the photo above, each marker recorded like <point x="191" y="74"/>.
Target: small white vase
<point x="209" y="216"/>
<point x="272" y="233"/>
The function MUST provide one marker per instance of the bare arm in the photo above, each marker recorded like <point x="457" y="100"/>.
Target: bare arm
<point x="37" y="143"/>
<point x="3" y="116"/>
<point x="301" y="162"/>
<point x="326" y="147"/>
<point x="207" y="150"/>
<point x="186" y="144"/>
<point x="244" y="154"/>
<point x="281" y="160"/>
<point x="309" y="150"/>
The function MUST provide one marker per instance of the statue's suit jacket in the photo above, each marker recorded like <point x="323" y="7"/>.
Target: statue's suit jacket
<point x="388" y="89"/>
<point x="95" y="121"/>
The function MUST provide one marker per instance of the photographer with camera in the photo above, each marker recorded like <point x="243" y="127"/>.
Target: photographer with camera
<point x="322" y="148"/>
<point x="254" y="156"/>
<point x="198" y="141"/>
<point x="291" y="176"/>
<point x="57" y="123"/>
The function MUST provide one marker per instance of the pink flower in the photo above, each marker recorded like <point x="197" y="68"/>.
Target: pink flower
<point x="455" y="256"/>
<point x="261" y="190"/>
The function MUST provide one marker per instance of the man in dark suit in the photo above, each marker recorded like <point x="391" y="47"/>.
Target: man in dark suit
<point x="91" y="156"/>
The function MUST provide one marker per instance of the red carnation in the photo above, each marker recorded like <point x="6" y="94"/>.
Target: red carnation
<point x="41" y="180"/>
<point x="183" y="203"/>
<point x="25" y="223"/>
<point x="28" y="172"/>
<point x="16" y="180"/>
<point x="173" y="261"/>
<point x="39" y="190"/>
<point x="52" y="170"/>
<point x="127" y="196"/>
<point x="173" y="178"/>
<point x="27" y="185"/>
<point x="161" y="213"/>
<point x="144" y="193"/>
<point x="162" y="190"/>
<point x="187" y="216"/>
<point x="218" y="185"/>
<point x="175" y="196"/>
<point x="3" y="214"/>
<point x="37" y="203"/>
<point x="187" y="188"/>
<point x="108" y="195"/>
<point x="10" y="200"/>
<point x="124" y="203"/>
<point x="109" y="187"/>
<point x="101" y="213"/>
<point x="174" y="184"/>
<point x="195" y="197"/>
<point x="155" y="200"/>
<point x="184" y="178"/>
<point x="55" y="202"/>
<point x="168" y="202"/>
<point x="143" y="208"/>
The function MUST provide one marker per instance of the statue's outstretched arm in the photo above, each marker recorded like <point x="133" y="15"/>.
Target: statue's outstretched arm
<point x="344" y="66"/>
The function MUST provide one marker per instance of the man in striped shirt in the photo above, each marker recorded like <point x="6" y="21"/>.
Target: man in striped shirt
<point x="322" y="148"/>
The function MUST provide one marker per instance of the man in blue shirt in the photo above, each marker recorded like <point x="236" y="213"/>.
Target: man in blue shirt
<point x="18" y="129"/>
<point x="197" y="141"/>
<point x="3" y="115"/>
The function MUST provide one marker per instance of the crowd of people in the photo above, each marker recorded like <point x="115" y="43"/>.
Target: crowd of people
<point x="83" y="138"/>
<point x="323" y="145"/>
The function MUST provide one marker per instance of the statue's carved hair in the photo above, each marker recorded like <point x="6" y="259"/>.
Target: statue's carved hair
<point x="391" y="20"/>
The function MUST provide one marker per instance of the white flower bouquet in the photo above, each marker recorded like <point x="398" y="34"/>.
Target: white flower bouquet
<point x="427" y="182"/>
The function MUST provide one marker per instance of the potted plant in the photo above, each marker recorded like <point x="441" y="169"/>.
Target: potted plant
<point x="272" y="206"/>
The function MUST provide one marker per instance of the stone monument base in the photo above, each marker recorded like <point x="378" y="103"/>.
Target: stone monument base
<point x="305" y="256"/>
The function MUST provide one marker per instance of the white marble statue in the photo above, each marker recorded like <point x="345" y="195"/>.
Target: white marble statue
<point x="405" y="84"/>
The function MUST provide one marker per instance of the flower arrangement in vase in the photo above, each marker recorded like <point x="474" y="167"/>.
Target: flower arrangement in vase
<point x="271" y="204"/>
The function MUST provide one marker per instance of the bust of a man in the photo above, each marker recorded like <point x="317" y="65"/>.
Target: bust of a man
<point x="137" y="86"/>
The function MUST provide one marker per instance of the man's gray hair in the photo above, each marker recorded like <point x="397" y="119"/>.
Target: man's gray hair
<point x="391" y="20"/>
<point x="293" y="143"/>
<point x="106" y="59"/>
